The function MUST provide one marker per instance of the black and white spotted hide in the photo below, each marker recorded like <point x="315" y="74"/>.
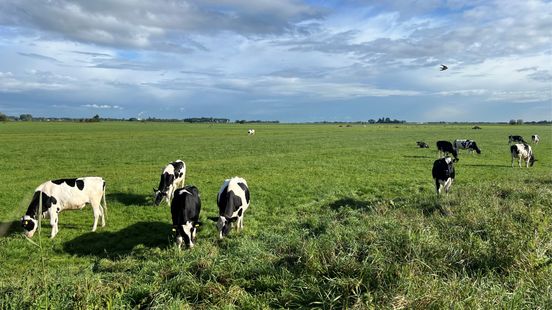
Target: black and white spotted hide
<point x="522" y="152"/>
<point x="55" y="196"/>
<point x="469" y="145"/>
<point x="445" y="147"/>
<point x="443" y="174"/>
<point x="422" y="144"/>
<point x="516" y="139"/>
<point x="233" y="200"/>
<point x="172" y="177"/>
<point x="185" y="208"/>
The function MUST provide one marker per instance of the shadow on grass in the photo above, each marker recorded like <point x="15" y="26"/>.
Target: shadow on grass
<point x="487" y="165"/>
<point x="350" y="202"/>
<point x="418" y="156"/>
<point x="430" y="207"/>
<point x="9" y="228"/>
<point x="129" y="199"/>
<point x="122" y="242"/>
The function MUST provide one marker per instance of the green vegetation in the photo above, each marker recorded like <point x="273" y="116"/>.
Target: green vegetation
<point x="341" y="217"/>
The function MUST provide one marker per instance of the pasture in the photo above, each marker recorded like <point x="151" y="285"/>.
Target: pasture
<point x="340" y="217"/>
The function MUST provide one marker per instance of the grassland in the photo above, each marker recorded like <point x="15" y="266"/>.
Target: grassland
<point x="340" y="218"/>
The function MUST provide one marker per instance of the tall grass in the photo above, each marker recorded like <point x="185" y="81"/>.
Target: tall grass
<point x="340" y="218"/>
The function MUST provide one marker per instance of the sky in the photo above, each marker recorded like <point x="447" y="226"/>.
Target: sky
<point x="286" y="60"/>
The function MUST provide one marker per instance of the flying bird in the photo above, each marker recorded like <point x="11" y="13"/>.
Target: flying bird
<point x="443" y="68"/>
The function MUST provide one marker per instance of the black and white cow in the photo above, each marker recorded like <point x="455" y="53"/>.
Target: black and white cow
<point x="469" y="145"/>
<point x="251" y="132"/>
<point x="422" y="144"/>
<point x="516" y="139"/>
<point x="185" y="208"/>
<point x="445" y="147"/>
<point x="443" y="173"/>
<point x="65" y="194"/>
<point x="522" y="152"/>
<point x="172" y="177"/>
<point x="535" y="139"/>
<point x="233" y="199"/>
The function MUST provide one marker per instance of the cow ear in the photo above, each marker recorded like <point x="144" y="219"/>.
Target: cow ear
<point x="213" y="218"/>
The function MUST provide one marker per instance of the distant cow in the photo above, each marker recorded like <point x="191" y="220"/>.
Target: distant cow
<point x="522" y="152"/>
<point x="65" y="194"/>
<point x="233" y="199"/>
<point x="422" y="144"/>
<point x="515" y="139"/>
<point x="172" y="177"/>
<point x="476" y="127"/>
<point x="445" y="147"/>
<point x="185" y="208"/>
<point x="535" y="139"/>
<point x="251" y="132"/>
<point x="443" y="173"/>
<point x="469" y="145"/>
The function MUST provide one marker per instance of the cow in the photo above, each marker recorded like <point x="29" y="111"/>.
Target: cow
<point x="422" y="144"/>
<point x="443" y="173"/>
<point x="251" y="132"/>
<point x="445" y="147"/>
<point x="522" y="152"/>
<point x="233" y="200"/>
<point x="172" y="177"/>
<point x="535" y="139"/>
<point x="55" y="196"/>
<point x="476" y="127"/>
<point x="469" y="145"/>
<point x="185" y="208"/>
<point x="514" y="139"/>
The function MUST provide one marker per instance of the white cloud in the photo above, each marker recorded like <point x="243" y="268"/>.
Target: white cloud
<point x="102" y="106"/>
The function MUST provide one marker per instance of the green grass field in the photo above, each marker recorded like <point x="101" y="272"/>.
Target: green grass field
<point x="340" y="218"/>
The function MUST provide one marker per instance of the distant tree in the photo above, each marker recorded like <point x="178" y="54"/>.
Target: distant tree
<point x="3" y="117"/>
<point x="513" y="122"/>
<point x="25" y="117"/>
<point x="519" y="121"/>
<point x="372" y="121"/>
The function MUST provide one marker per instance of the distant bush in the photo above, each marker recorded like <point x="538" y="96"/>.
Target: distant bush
<point x="3" y="117"/>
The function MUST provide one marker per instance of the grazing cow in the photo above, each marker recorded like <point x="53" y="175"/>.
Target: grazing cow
<point x="251" y="132"/>
<point x="535" y="139"/>
<point x="516" y="139"/>
<point x="232" y="200"/>
<point x="476" y="127"/>
<point x="185" y="208"/>
<point x="469" y="145"/>
<point x="422" y="144"/>
<point x="522" y="152"/>
<point x="172" y="178"/>
<point x="445" y="147"/>
<point x="443" y="173"/>
<point x="61" y="195"/>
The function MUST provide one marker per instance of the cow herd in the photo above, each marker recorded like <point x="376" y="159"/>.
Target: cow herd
<point x="443" y="168"/>
<point x="55" y="196"/>
<point x="233" y="199"/>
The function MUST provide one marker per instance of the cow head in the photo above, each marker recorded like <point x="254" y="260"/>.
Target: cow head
<point x="158" y="196"/>
<point x="532" y="160"/>
<point x="29" y="225"/>
<point x="476" y="148"/>
<point x="224" y="224"/>
<point x="186" y="234"/>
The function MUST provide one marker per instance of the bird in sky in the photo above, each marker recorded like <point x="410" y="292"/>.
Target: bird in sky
<point x="443" y="68"/>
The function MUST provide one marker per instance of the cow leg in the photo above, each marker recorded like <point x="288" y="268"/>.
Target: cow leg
<point x="53" y="222"/>
<point x="97" y="213"/>
<point x="448" y="183"/>
<point x="437" y="186"/>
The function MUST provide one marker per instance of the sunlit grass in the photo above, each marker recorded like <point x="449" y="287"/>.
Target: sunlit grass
<point x="340" y="218"/>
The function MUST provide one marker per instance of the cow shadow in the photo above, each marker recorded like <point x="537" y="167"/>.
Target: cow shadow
<point x="120" y="243"/>
<point x="9" y="228"/>
<point x="352" y="203"/>
<point x="129" y="199"/>
<point x="418" y="156"/>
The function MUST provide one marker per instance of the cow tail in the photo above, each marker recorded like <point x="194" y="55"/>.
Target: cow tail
<point x="104" y="202"/>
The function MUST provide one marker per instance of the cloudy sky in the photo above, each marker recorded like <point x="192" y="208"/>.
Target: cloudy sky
<point x="287" y="60"/>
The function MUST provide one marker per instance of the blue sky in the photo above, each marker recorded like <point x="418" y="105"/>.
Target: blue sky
<point x="286" y="60"/>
